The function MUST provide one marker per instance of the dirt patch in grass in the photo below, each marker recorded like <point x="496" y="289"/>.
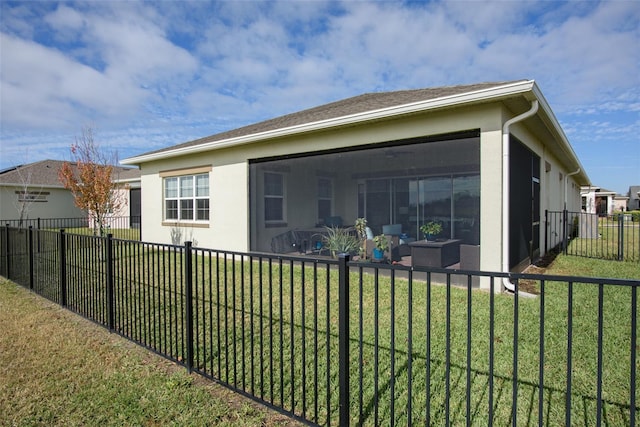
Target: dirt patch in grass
<point x="539" y="267"/>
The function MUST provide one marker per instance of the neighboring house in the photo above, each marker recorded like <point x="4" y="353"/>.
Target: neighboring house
<point x="485" y="160"/>
<point x="634" y="198"/>
<point x="620" y="203"/>
<point x="35" y="190"/>
<point x="597" y="200"/>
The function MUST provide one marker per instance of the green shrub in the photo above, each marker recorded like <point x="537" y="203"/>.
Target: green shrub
<point x="635" y="215"/>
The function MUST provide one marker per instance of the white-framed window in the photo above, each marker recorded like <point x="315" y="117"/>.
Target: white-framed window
<point x="274" y="198"/>
<point x="325" y="198"/>
<point x="186" y="198"/>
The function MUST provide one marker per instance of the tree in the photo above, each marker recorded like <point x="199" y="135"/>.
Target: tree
<point x="90" y="178"/>
<point x="27" y="195"/>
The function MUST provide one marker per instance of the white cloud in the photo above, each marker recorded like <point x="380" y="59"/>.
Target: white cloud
<point x="42" y="87"/>
<point x="116" y="64"/>
<point x="166" y="72"/>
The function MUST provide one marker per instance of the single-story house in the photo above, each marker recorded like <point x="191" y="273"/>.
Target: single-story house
<point x="597" y="200"/>
<point x="620" y="203"/>
<point x="484" y="160"/>
<point x="34" y="191"/>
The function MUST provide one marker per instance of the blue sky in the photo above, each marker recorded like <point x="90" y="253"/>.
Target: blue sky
<point x="147" y="75"/>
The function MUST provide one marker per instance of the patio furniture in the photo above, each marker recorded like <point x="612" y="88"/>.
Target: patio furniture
<point x="435" y="254"/>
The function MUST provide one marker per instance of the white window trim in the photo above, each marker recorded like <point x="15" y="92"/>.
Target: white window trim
<point x="194" y="198"/>
<point x="283" y="220"/>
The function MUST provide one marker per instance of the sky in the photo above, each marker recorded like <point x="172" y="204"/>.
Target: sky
<point x="148" y="75"/>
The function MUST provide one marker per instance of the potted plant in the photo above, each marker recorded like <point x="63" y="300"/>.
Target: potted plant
<point x="361" y="229"/>
<point x="340" y="240"/>
<point x="382" y="245"/>
<point x="431" y="229"/>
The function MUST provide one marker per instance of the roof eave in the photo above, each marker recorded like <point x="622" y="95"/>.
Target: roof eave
<point x="31" y="185"/>
<point x="560" y="135"/>
<point x="482" y="95"/>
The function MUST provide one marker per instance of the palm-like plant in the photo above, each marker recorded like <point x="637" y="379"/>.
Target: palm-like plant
<point x="340" y="240"/>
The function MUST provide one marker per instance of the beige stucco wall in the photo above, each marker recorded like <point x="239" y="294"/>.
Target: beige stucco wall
<point x="59" y="204"/>
<point x="553" y="177"/>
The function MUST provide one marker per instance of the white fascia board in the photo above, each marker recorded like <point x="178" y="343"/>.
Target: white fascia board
<point x="126" y="180"/>
<point x="557" y="129"/>
<point x="395" y="111"/>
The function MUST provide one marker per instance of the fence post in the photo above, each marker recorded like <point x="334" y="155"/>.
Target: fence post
<point x="30" y="249"/>
<point x="188" y="283"/>
<point x="565" y="219"/>
<point x="621" y="237"/>
<point x="546" y="231"/>
<point x="343" y="337"/>
<point x="63" y="268"/>
<point x="8" y="255"/>
<point x="110" y="301"/>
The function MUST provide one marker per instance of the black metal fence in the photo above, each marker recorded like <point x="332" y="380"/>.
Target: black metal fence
<point x="337" y="342"/>
<point x="590" y="235"/>
<point x="122" y="227"/>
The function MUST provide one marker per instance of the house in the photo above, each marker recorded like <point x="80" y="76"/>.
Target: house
<point x="597" y="200"/>
<point x="484" y="160"/>
<point x="620" y="203"/>
<point x="634" y="198"/>
<point x="34" y="191"/>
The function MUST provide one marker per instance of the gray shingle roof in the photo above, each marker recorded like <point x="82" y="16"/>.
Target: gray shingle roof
<point x="357" y="104"/>
<point x="45" y="173"/>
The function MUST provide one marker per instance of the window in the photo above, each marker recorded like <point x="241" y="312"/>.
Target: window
<point x="325" y="198"/>
<point x="186" y="198"/>
<point x="274" y="197"/>
<point x="32" y="196"/>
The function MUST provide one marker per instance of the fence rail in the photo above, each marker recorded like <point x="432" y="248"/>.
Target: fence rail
<point x="338" y="342"/>
<point x="122" y="227"/>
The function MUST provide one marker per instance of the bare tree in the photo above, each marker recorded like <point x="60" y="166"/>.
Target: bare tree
<point x="91" y="180"/>
<point x="27" y="193"/>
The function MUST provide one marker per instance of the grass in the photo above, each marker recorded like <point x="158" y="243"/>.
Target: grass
<point x="259" y="335"/>
<point x="605" y="246"/>
<point x="118" y="233"/>
<point x="59" y="369"/>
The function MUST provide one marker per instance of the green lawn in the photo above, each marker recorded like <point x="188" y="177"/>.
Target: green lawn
<point x="260" y="335"/>
<point x="605" y="246"/>
<point x="57" y="369"/>
<point x="118" y="233"/>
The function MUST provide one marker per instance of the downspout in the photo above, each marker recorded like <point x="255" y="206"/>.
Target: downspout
<point x="505" y="189"/>
<point x="566" y="179"/>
